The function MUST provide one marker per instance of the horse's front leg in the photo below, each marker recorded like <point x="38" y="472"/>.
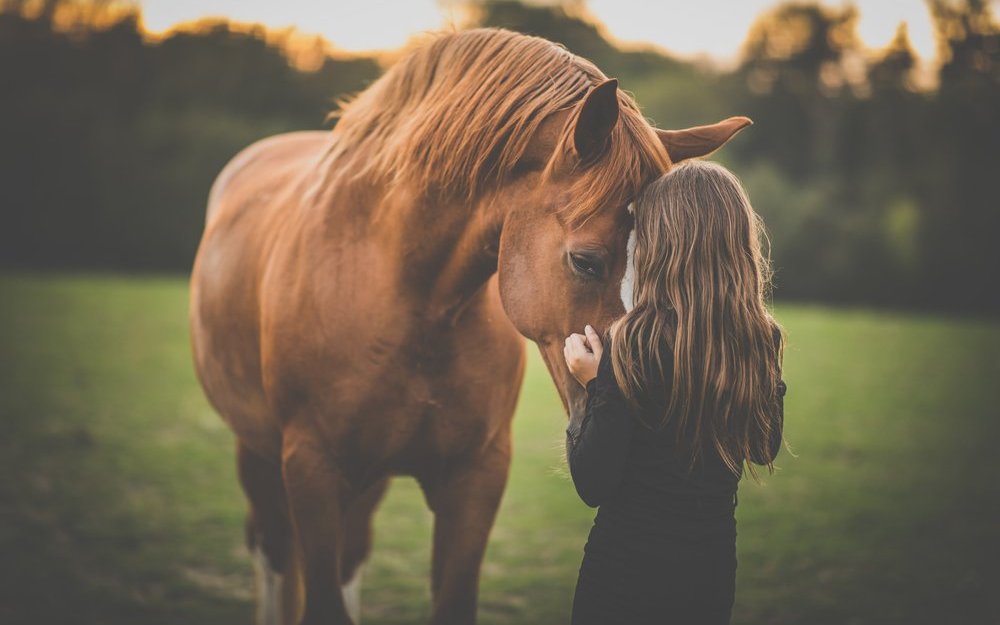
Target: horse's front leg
<point x="316" y="494"/>
<point x="464" y="502"/>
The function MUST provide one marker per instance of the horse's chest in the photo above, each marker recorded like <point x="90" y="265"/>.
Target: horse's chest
<point x="398" y="398"/>
<point x="441" y="414"/>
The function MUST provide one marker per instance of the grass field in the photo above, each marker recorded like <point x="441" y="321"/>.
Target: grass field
<point x="119" y="502"/>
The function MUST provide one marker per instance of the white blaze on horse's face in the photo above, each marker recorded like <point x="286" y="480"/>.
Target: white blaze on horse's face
<point x="628" y="280"/>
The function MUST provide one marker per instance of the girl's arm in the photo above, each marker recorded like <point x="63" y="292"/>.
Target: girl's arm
<point x="774" y="445"/>
<point x="597" y="449"/>
<point x="774" y="442"/>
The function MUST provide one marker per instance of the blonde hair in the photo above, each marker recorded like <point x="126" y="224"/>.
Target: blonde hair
<point x="702" y="282"/>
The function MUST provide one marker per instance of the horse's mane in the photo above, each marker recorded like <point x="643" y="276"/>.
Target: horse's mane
<point x="455" y="116"/>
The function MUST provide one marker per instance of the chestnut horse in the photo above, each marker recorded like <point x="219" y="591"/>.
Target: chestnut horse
<point x="359" y="298"/>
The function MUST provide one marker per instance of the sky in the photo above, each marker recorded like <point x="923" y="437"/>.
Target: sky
<point x="714" y="28"/>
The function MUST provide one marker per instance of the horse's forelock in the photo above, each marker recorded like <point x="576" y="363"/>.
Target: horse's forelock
<point x="634" y="157"/>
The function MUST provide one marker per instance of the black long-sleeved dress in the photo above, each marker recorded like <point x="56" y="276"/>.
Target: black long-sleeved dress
<point x="663" y="545"/>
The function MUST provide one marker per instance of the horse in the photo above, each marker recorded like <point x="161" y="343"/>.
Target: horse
<point x="360" y="296"/>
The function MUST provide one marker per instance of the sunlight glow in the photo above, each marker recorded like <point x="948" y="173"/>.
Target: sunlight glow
<point x="710" y="28"/>
<point x="717" y="28"/>
<point x="353" y="26"/>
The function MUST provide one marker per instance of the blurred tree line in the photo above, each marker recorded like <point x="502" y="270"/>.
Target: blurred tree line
<point x="109" y="142"/>
<point x="874" y="191"/>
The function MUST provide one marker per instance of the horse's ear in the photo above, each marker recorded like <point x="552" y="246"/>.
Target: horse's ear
<point x="700" y="140"/>
<point x="596" y="119"/>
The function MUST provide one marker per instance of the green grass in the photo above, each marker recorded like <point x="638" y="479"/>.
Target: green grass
<point x="119" y="501"/>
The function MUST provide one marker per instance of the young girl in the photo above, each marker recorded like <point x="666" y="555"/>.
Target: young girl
<point x="688" y="390"/>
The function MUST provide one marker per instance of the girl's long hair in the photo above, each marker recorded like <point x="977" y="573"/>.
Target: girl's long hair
<point x="700" y="318"/>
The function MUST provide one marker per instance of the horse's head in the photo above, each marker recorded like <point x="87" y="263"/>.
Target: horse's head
<point x="566" y="230"/>
<point x="547" y="149"/>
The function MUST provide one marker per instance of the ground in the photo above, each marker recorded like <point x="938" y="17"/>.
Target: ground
<point x="119" y="501"/>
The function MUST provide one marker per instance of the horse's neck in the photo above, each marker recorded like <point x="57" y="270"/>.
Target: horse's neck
<point x="470" y="260"/>
<point x="446" y="251"/>
<point x="451" y="251"/>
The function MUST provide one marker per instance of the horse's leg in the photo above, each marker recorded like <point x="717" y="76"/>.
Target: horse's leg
<point x="358" y="543"/>
<point x="316" y="491"/>
<point x="269" y="538"/>
<point x="465" y="503"/>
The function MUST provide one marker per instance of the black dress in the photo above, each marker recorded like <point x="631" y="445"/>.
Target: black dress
<point x="663" y="546"/>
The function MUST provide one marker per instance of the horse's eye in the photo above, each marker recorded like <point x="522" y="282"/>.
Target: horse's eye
<point x="586" y="265"/>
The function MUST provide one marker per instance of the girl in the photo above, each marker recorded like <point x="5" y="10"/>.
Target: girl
<point x="687" y="391"/>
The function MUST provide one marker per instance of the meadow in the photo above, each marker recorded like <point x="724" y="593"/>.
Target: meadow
<point x="119" y="501"/>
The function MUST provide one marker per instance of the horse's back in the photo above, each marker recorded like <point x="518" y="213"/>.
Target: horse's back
<point x="263" y="164"/>
<point x="248" y="199"/>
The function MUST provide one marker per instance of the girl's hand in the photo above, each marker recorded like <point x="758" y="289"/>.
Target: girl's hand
<point x="582" y="354"/>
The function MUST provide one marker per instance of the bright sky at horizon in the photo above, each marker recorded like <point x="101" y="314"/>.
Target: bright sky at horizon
<point x="715" y="28"/>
